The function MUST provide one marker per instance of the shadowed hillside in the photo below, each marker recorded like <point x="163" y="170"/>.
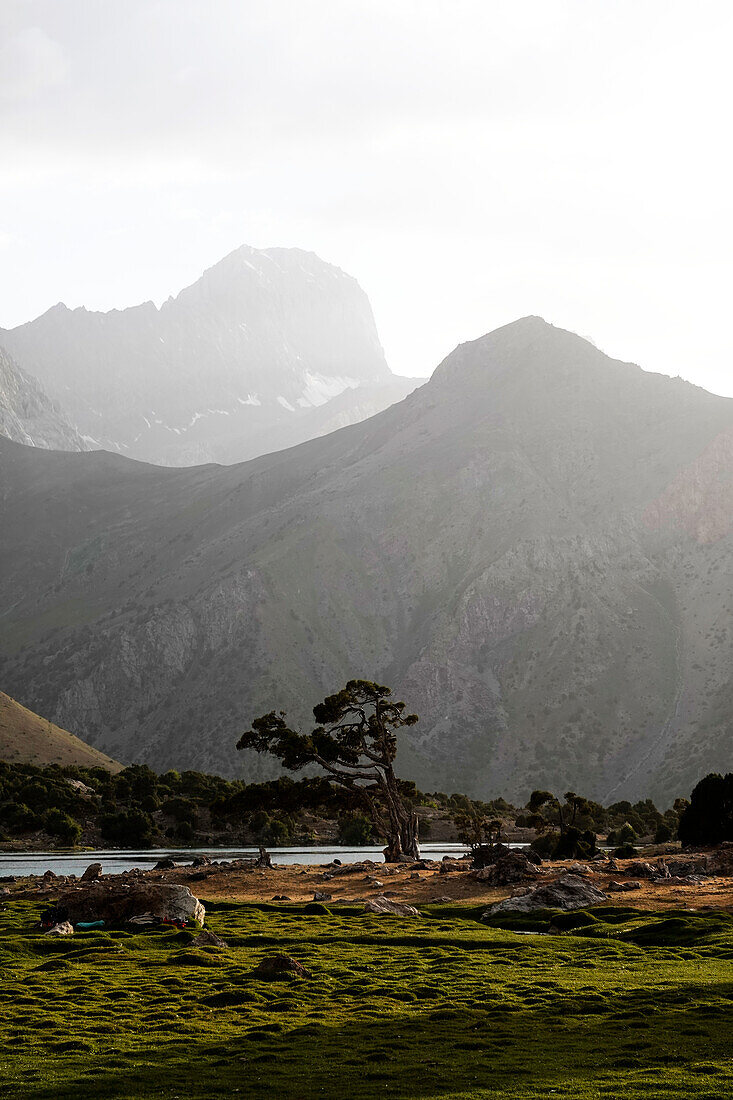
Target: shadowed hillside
<point x="533" y="549"/>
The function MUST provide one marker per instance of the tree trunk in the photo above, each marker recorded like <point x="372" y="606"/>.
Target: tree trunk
<point x="402" y="838"/>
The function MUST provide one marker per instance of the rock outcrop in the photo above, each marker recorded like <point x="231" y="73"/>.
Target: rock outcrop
<point x="28" y="415"/>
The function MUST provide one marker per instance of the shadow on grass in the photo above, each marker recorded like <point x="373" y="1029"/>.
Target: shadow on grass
<point x="630" y="1044"/>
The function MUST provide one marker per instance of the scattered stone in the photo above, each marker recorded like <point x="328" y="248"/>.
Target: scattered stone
<point x="63" y="928"/>
<point x="579" y="869"/>
<point x="264" y="860"/>
<point x="441" y="900"/>
<point x="48" y="875"/>
<point x="383" y="906"/>
<point x="206" y="938"/>
<point x="164" y="865"/>
<point x="532" y="856"/>
<point x="200" y="861"/>
<point x="619" y="887"/>
<point x="93" y="871"/>
<point x="320" y="895"/>
<point x="280" y="897"/>
<point x="278" y="967"/>
<point x="569" y="892"/>
<point x="336" y="862"/>
<point x="415" y="874"/>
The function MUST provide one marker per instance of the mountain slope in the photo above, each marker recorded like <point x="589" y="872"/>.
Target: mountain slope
<point x="25" y="738"/>
<point x="27" y="415"/>
<point x="533" y="549"/>
<point x="220" y="372"/>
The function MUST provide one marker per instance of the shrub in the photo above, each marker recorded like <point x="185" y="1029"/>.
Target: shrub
<point x="356" y="829"/>
<point x="708" y="819"/>
<point x="61" y="826"/>
<point x="129" y="829"/>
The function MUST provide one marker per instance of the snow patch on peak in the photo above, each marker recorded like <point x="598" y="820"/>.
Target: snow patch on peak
<point x="319" y="388"/>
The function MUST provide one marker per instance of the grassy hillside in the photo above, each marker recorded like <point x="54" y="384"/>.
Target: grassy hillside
<point x="26" y="738"/>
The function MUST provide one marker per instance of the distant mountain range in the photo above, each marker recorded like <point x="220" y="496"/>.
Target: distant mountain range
<point x="535" y="549"/>
<point x="266" y="349"/>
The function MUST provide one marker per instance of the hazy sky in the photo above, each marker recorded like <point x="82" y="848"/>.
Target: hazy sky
<point x="468" y="162"/>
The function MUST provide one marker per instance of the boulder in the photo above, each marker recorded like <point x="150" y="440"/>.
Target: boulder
<point x="206" y="938"/>
<point x="320" y="895"/>
<point x="48" y="875"/>
<point x="640" y="869"/>
<point x="449" y="865"/>
<point x="569" y="892"/>
<point x="512" y="867"/>
<point x="164" y="865"/>
<point x="200" y="861"/>
<point x="116" y="903"/>
<point x="63" y="928"/>
<point x="622" y="887"/>
<point x="277" y="967"/>
<point x="93" y="872"/>
<point x="385" y="906"/>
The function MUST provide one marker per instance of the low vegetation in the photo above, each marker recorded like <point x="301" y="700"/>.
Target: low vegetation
<point x="619" y="1003"/>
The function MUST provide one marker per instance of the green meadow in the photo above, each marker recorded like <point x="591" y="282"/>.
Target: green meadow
<point x="612" y="1003"/>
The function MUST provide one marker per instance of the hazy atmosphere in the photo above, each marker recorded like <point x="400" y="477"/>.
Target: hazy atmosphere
<point x="366" y="550"/>
<point x="468" y="163"/>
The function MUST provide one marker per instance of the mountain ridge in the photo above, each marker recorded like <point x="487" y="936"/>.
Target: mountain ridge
<point x="485" y="549"/>
<point x="259" y="341"/>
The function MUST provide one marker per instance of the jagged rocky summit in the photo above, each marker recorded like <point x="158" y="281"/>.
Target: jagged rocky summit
<point x="267" y="349"/>
<point x="28" y="415"/>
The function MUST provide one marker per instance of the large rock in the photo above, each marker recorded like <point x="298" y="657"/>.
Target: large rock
<point x="385" y="906"/>
<point x="510" y="868"/>
<point x="93" y="872"/>
<point x="569" y="892"/>
<point x="117" y="903"/>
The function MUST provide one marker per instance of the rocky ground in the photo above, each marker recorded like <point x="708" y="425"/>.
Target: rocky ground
<point x="696" y="881"/>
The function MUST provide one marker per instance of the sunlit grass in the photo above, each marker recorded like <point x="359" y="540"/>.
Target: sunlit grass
<point x="624" y="1005"/>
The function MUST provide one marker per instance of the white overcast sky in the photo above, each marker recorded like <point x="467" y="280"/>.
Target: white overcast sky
<point x="468" y="162"/>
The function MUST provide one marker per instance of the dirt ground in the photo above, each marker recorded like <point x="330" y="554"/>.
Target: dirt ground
<point x="435" y="884"/>
<point x="299" y="884"/>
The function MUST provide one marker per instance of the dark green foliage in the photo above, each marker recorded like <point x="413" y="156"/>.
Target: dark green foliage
<point x="60" y="825"/>
<point x="129" y="829"/>
<point x="355" y="829"/>
<point x="708" y="819"/>
<point x="574" y="844"/>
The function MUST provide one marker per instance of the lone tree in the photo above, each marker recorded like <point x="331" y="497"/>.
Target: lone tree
<point x="355" y="742"/>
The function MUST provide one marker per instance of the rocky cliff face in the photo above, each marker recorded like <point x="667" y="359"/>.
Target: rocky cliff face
<point x="236" y="361"/>
<point x="27" y="414"/>
<point x="529" y="549"/>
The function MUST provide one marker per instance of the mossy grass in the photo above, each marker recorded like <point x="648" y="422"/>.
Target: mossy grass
<point x="610" y="1003"/>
